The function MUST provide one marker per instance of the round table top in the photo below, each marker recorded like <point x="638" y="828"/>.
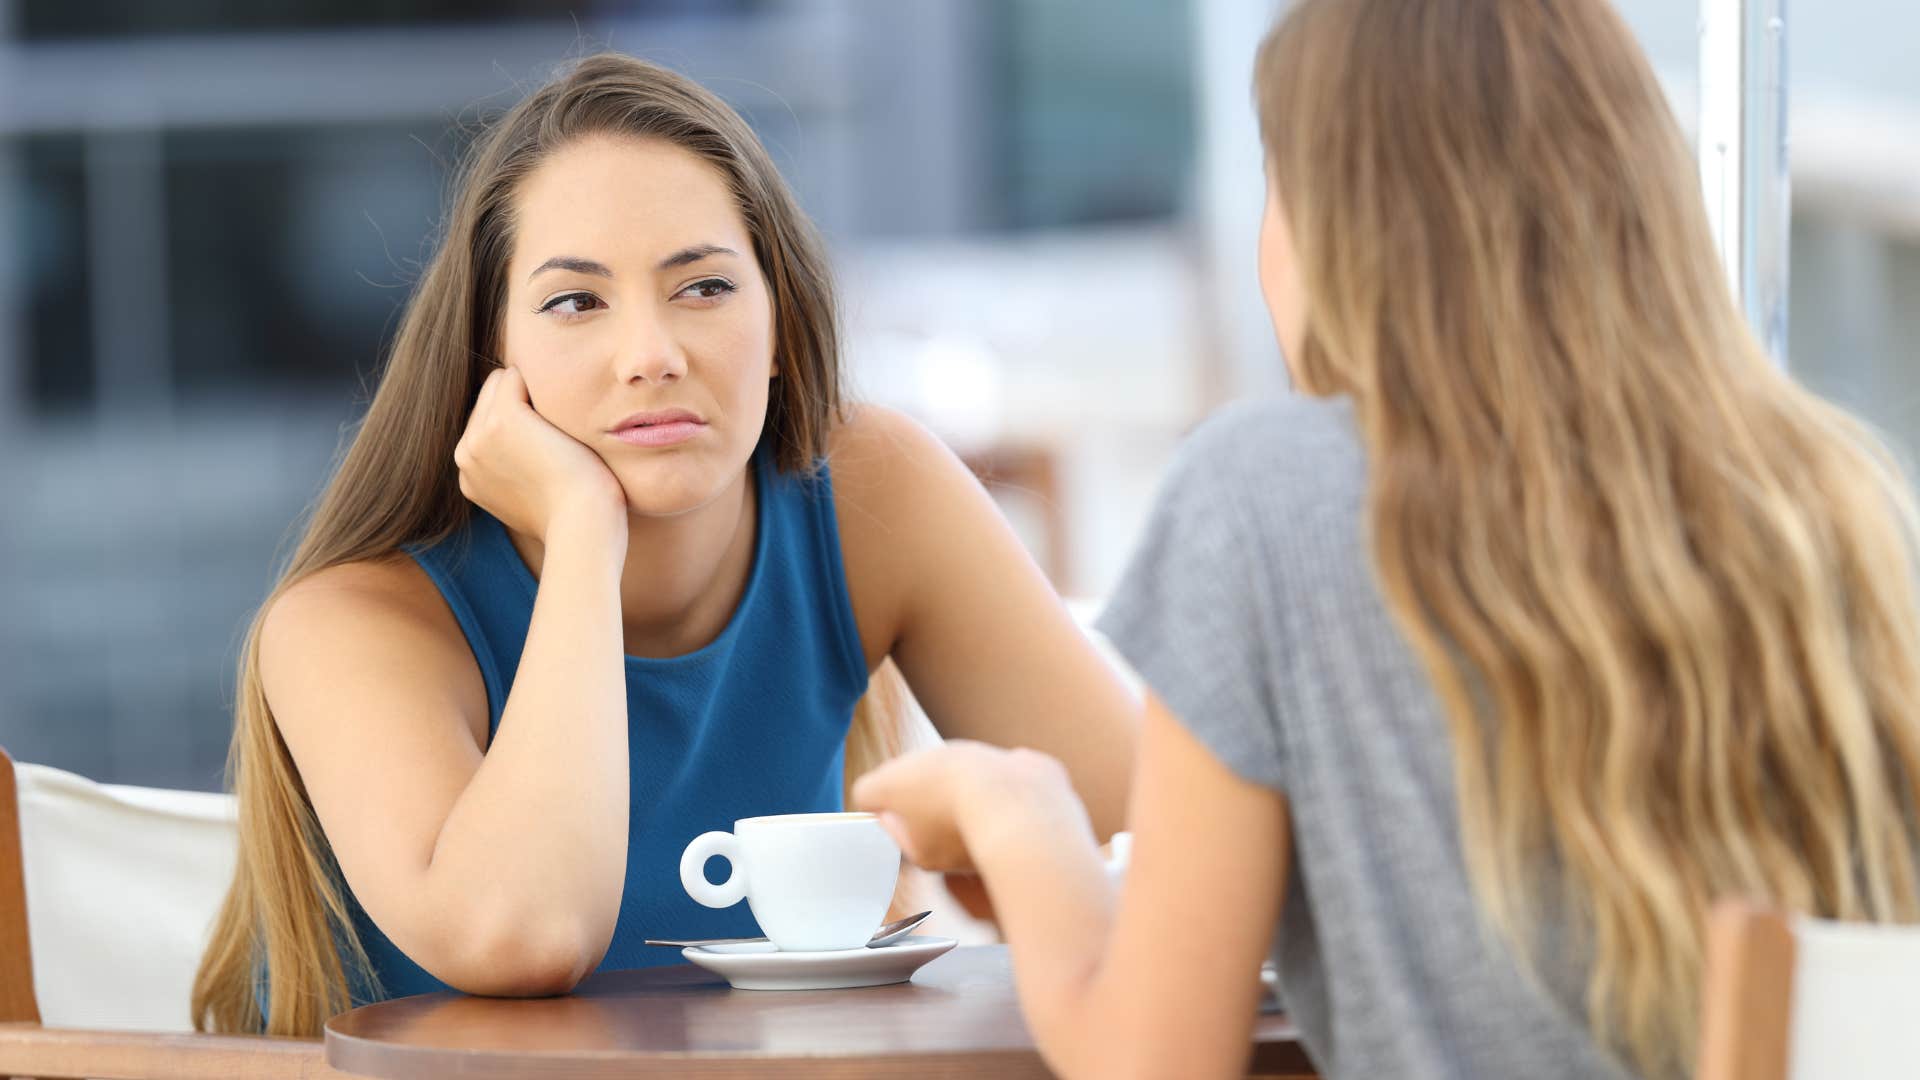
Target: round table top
<point x="958" y="1017"/>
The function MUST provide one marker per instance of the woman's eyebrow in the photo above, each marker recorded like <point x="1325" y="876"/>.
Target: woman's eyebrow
<point x="579" y="265"/>
<point x="693" y="254"/>
<point x="571" y="262"/>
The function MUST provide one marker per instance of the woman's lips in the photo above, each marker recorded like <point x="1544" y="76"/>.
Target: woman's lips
<point x="667" y="434"/>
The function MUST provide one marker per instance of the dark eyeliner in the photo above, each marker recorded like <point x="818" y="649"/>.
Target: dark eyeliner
<point x="562" y="298"/>
<point x="725" y="285"/>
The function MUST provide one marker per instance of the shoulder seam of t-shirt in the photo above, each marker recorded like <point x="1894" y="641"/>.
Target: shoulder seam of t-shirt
<point x="1191" y="543"/>
<point x="1260" y="589"/>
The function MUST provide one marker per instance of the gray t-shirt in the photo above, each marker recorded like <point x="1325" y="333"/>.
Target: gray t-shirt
<point x="1252" y="610"/>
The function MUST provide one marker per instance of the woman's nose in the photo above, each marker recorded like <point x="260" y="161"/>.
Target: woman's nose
<point x="651" y="355"/>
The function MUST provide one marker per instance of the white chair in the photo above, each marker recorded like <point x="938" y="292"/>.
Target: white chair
<point x="1791" y="998"/>
<point x="122" y="886"/>
<point x="107" y="894"/>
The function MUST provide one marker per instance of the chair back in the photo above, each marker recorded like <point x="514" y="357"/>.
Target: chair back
<point x="1792" y="998"/>
<point x="118" y="887"/>
<point x="17" y="1002"/>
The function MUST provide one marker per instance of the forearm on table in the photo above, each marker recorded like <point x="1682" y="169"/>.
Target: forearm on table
<point x="543" y="822"/>
<point x="1050" y="896"/>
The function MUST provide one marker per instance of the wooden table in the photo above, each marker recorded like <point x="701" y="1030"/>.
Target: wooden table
<point x="957" y="1018"/>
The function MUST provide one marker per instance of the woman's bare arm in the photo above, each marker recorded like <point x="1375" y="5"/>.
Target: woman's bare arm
<point x="1166" y="982"/>
<point x="498" y="871"/>
<point x="942" y="584"/>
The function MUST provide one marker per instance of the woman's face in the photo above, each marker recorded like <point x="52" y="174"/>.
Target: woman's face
<point x="1280" y="280"/>
<point x="633" y="290"/>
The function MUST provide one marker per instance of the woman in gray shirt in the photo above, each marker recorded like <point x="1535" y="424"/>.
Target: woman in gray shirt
<point x="1566" y="616"/>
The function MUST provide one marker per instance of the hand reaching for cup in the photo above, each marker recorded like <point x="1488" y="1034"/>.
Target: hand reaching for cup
<point x="525" y="471"/>
<point x="942" y="804"/>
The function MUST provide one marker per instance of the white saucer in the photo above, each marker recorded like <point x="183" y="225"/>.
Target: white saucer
<point x="761" y="966"/>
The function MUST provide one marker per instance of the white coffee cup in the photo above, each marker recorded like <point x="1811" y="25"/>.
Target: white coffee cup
<point x="815" y="882"/>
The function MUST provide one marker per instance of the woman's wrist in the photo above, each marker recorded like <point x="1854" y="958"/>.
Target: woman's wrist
<point x="1024" y="793"/>
<point x="590" y="528"/>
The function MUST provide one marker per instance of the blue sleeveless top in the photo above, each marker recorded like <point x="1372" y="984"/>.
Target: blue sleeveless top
<point x="753" y="723"/>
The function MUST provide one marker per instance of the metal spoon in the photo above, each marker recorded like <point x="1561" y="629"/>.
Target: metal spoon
<point x="886" y="935"/>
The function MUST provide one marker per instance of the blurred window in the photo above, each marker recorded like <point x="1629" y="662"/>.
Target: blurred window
<point x="1099" y="124"/>
<point x="53" y="19"/>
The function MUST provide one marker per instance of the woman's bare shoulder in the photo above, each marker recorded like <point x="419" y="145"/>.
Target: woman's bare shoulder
<point x="903" y="502"/>
<point x="387" y="589"/>
<point x="880" y="452"/>
<point x="350" y="619"/>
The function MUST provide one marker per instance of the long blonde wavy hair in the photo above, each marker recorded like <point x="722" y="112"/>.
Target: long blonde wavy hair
<point x="285" y="917"/>
<point x="1667" y="597"/>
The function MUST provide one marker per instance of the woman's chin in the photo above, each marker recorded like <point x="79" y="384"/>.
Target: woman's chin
<point x="669" y="492"/>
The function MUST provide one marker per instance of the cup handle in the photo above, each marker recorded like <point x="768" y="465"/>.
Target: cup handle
<point x="693" y="870"/>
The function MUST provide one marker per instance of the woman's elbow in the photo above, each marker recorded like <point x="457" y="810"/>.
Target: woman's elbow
<point x="536" y="957"/>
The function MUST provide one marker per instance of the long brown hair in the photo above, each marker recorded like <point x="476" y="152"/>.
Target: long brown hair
<point x="285" y="917"/>
<point x="1667" y="597"/>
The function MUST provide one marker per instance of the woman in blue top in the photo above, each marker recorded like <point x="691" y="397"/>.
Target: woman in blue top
<point x="607" y="564"/>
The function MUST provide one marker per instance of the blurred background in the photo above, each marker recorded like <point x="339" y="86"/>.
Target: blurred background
<point x="1043" y="213"/>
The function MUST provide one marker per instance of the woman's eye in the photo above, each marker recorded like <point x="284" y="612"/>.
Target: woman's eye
<point x="708" y="289"/>
<point x="578" y="303"/>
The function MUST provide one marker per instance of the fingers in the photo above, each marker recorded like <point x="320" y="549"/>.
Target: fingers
<point x="514" y="384"/>
<point x="881" y="788"/>
<point x="502" y="386"/>
<point x="463" y="450"/>
<point x="919" y="806"/>
<point x="869" y="792"/>
<point x="896" y="827"/>
<point x="483" y="401"/>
